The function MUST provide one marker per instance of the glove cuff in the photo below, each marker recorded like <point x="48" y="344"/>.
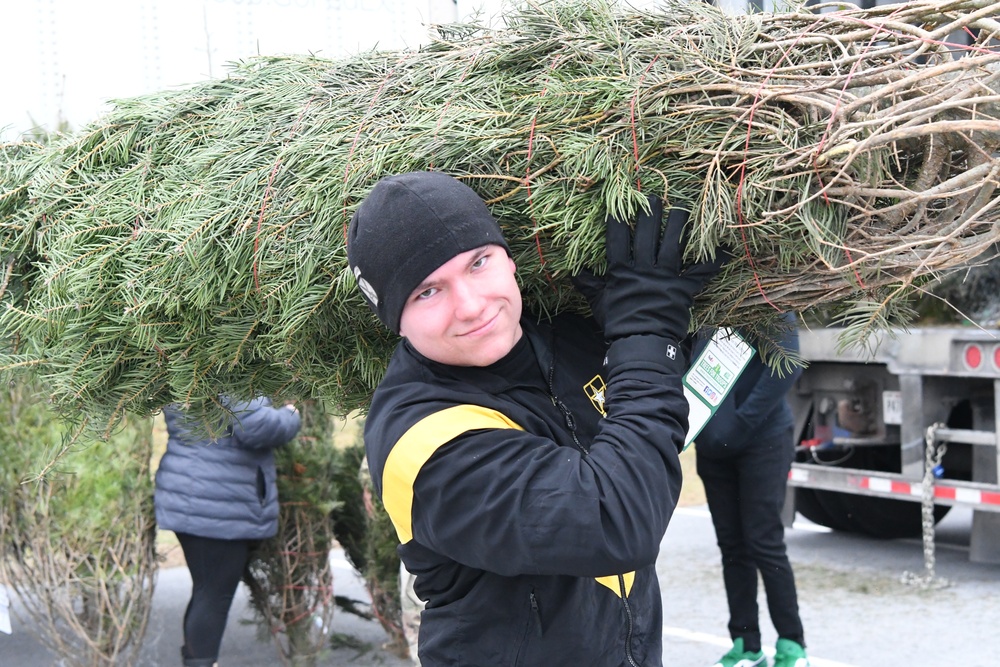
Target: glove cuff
<point x="647" y="352"/>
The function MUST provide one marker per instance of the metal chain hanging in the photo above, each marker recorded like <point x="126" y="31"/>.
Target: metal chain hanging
<point x="932" y="459"/>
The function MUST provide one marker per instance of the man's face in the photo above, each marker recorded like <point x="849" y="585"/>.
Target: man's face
<point x="468" y="311"/>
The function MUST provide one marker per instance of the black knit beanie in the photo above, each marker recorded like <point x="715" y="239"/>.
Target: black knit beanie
<point x="407" y="227"/>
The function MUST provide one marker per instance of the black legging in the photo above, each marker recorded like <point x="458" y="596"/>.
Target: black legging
<point x="216" y="568"/>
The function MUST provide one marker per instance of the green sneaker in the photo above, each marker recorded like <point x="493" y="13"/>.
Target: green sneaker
<point x="790" y="654"/>
<point x="737" y="657"/>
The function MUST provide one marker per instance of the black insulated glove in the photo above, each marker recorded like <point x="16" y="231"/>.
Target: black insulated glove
<point x="591" y="286"/>
<point x="648" y="292"/>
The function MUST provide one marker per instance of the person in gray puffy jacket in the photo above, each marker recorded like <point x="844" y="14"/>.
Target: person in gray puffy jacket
<point x="220" y="498"/>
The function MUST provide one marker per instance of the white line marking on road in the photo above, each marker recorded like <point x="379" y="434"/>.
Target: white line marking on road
<point x="726" y="642"/>
<point x="700" y="637"/>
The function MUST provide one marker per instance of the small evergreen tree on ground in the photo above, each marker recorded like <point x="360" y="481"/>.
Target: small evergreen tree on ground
<point x="77" y="532"/>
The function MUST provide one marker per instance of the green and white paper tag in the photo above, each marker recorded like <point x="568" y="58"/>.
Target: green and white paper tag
<point x="712" y="376"/>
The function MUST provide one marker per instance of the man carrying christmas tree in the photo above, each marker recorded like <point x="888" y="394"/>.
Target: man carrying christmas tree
<point x="530" y="466"/>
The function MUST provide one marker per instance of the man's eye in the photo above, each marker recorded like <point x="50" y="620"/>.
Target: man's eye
<point x="480" y="263"/>
<point x="427" y="293"/>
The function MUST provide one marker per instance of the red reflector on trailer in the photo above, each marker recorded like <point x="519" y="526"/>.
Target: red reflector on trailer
<point x="973" y="356"/>
<point x="996" y="357"/>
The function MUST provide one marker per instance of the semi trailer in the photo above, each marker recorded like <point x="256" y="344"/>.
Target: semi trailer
<point x="888" y="428"/>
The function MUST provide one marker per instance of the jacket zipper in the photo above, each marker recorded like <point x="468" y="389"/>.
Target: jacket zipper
<point x="538" y="614"/>
<point x="566" y="412"/>
<point x="547" y="367"/>
<point x="534" y="619"/>
<point x="629" y="623"/>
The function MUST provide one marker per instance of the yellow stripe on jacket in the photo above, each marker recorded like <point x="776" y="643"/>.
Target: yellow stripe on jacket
<point x="417" y="445"/>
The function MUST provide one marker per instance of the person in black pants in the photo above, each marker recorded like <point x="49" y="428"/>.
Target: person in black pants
<point x="220" y="498"/>
<point x="743" y="456"/>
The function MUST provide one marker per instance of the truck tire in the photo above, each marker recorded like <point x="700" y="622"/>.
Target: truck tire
<point x="886" y="518"/>
<point x="809" y="504"/>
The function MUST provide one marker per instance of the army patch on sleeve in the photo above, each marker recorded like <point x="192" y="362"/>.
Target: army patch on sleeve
<point x="595" y="392"/>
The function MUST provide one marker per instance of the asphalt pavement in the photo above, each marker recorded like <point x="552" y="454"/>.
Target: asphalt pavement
<point x="358" y="642"/>
<point x="855" y="607"/>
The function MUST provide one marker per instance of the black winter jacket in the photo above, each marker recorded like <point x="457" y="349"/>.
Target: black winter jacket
<point x="227" y="488"/>
<point x="524" y="513"/>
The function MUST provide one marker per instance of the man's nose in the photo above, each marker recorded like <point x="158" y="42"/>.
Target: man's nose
<point x="468" y="302"/>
